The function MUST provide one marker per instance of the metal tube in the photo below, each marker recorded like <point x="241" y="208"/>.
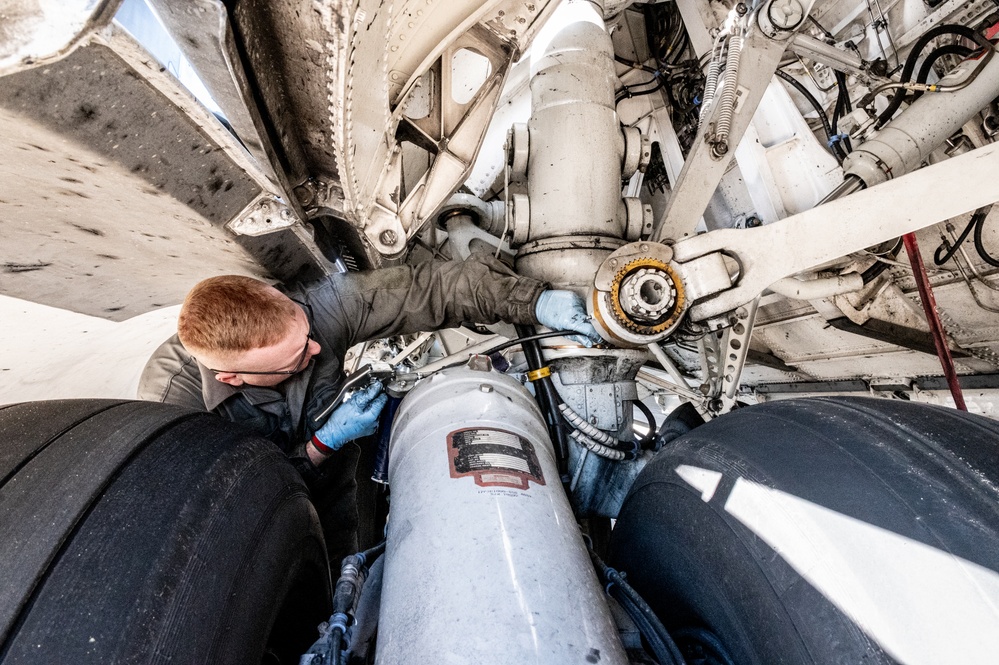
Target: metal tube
<point x="904" y="143"/>
<point x="575" y="158"/>
<point x="816" y="289"/>
<point x="826" y="54"/>
<point x="930" y="308"/>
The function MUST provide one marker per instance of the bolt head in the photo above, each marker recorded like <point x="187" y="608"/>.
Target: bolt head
<point x="388" y="237"/>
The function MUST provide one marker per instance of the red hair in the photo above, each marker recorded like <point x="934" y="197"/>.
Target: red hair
<point x="230" y="314"/>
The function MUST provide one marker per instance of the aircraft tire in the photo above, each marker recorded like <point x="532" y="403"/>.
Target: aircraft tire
<point x="142" y="532"/>
<point x="827" y="530"/>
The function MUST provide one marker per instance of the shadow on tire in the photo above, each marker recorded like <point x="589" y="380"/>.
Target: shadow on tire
<point x="143" y="532"/>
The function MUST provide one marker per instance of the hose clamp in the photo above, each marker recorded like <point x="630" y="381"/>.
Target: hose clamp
<point x="540" y="373"/>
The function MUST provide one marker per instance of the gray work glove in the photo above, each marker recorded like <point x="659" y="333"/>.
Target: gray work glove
<point x="356" y="417"/>
<point x="565" y="310"/>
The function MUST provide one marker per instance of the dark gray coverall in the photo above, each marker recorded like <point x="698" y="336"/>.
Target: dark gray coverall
<point x="345" y="309"/>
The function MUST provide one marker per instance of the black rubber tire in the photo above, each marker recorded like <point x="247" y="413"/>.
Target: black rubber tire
<point x="927" y="474"/>
<point x="139" y="532"/>
<point x="678" y="422"/>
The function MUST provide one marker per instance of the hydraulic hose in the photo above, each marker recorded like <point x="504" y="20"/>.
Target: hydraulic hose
<point x="646" y="441"/>
<point x="548" y="400"/>
<point x="596" y="440"/>
<point x="597" y="448"/>
<point x="663" y="647"/>
<point x="936" y="54"/>
<point x="910" y="62"/>
<point x="843" y="106"/>
<point x="979" y="245"/>
<point x="945" y="251"/>
<point x="810" y="98"/>
<point x="328" y="649"/>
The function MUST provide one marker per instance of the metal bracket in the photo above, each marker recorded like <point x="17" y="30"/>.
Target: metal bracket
<point x="704" y="167"/>
<point x="723" y="356"/>
<point x="399" y="92"/>
<point x="263" y="215"/>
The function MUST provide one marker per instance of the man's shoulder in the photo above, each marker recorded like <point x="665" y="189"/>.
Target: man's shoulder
<point x="172" y="375"/>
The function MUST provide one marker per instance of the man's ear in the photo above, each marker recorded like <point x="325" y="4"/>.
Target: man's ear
<point x="229" y="378"/>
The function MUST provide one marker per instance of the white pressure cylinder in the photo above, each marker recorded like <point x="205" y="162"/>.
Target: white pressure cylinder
<point x="484" y="560"/>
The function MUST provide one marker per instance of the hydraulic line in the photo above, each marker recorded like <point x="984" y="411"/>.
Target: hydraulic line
<point x="328" y="649"/>
<point x="910" y="64"/>
<point x="646" y="441"/>
<point x="936" y="54"/>
<point x="810" y="98"/>
<point x="597" y="448"/>
<point x="946" y="250"/>
<point x="548" y="399"/>
<point x="586" y="428"/>
<point x="602" y="443"/>
<point x="843" y="107"/>
<point x="936" y="328"/>
<point x="663" y="647"/>
<point x="980" y="246"/>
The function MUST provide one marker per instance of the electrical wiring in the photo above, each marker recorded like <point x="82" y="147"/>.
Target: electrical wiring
<point x="843" y="107"/>
<point x="810" y="98"/>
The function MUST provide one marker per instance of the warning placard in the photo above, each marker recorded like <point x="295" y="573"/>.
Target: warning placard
<point x="494" y="458"/>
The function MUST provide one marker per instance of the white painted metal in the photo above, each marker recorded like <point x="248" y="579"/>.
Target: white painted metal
<point x="853" y="223"/>
<point x="573" y="88"/>
<point x="703" y="170"/>
<point x="828" y="54"/>
<point x="487" y="567"/>
<point x="813" y="289"/>
<point x="41" y="31"/>
<point x="907" y="141"/>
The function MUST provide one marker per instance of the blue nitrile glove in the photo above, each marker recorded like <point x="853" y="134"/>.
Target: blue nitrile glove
<point x="565" y="310"/>
<point x="356" y="417"/>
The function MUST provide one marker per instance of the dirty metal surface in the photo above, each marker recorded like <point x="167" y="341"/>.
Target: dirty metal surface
<point x="112" y="201"/>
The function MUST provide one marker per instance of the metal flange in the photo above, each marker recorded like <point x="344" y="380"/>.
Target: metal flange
<point x="638" y="295"/>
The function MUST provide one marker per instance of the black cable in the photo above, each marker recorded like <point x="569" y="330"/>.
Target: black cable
<point x="910" y="63"/>
<point x="843" y="106"/>
<point x="826" y="127"/>
<point x="634" y="65"/>
<point x="879" y="267"/>
<point x="628" y="93"/>
<point x="370" y="555"/>
<point x="979" y="245"/>
<point x="945" y="251"/>
<point x="663" y="647"/>
<point x="646" y="441"/>
<point x="548" y="399"/>
<point x="936" y="54"/>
